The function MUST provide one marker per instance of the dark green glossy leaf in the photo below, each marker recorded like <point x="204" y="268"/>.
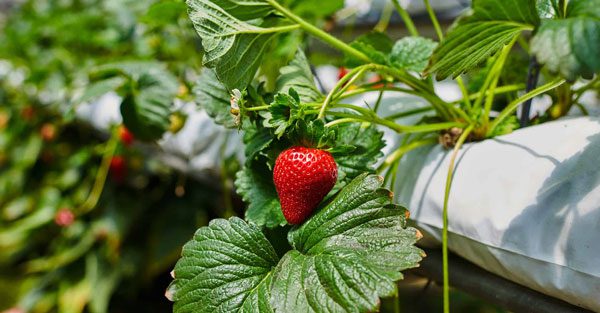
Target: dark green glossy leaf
<point x="146" y="108"/>
<point x="297" y="75"/>
<point x="348" y="255"/>
<point x="256" y="187"/>
<point x="232" y="46"/>
<point x="367" y="143"/>
<point x="214" y="98"/>
<point x="345" y="257"/>
<point x="226" y="267"/>
<point x="100" y="88"/>
<point x="256" y="141"/>
<point x="376" y="45"/>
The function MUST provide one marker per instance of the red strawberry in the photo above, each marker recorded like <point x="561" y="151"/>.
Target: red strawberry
<point x="118" y="168"/>
<point x="48" y="132"/>
<point x="64" y="217"/>
<point x="342" y="71"/>
<point x="125" y="135"/>
<point x="303" y="177"/>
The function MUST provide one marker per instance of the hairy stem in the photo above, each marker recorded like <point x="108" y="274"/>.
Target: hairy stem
<point x="390" y="124"/>
<point x="340" y="85"/>
<point x="434" y="20"/>
<point x="101" y="174"/>
<point x="408" y="113"/>
<point x="495" y="76"/>
<point x="408" y="22"/>
<point x="511" y="107"/>
<point x="497" y="91"/>
<point x="402" y="150"/>
<point x="446" y="288"/>
<point x="319" y="33"/>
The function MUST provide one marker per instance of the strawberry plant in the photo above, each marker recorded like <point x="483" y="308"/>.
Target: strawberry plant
<point x="92" y="221"/>
<point x="311" y="155"/>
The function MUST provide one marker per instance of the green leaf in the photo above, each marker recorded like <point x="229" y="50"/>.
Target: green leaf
<point x="412" y="53"/>
<point x="297" y="75"/>
<point x="347" y="255"/>
<point x="226" y="267"/>
<point x="214" y="98"/>
<point x="164" y="12"/>
<point x="315" y="8"/>
<point x="255" y="186"/>
<point x="506" y="127"/>
<point x="491" y="26"/>
<point x="313" y="134"/>
<point x="100" y="88"/>
<point x="546" y="8"/>
<point x="571" y="46"/>
<point x="256" y="141"/>
<point x="376" y="45"/>
<point x="232" y="46"/>
<point x="146" y="106"/>
<point x="283" y="112"/>
<point x="367" y="143"/>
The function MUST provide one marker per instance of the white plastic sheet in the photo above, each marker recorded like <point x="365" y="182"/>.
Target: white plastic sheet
<point x="525" y="206"/>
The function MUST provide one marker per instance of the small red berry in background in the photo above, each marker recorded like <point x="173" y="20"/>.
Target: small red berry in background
<point x="118" y="168"/>
<point x="375" y="79"/>
<point x="64" y="217"/>
<point x="125" y="135"/>
<point x="342" y="71"/>
<point x="302" y="178"/>
<point x="48" y="132"/>
<point x="27" y="113"/>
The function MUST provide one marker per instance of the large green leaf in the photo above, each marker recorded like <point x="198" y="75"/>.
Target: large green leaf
<point x="226" y="267"/>
<point x="367" y="141"/>
<point x="345" y="257"/>
<point x="146" y="105"/>
<point x="376" y="45"/>
<point x="571" y="46"/>
<point x="256" y="187"/>
<point x="232" y="46"/>
<point x="297" y="75"/>
<point x="214" y="98"/>
<point x="412" y="53"/>
<point x="98" y="89"/>
<point x="491" y="25"/>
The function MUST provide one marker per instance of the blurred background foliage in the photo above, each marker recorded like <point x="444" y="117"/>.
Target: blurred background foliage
<point x="88" y="222"/>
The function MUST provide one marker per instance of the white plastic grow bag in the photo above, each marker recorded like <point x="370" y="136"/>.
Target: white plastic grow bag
<point x="525" y="206"/>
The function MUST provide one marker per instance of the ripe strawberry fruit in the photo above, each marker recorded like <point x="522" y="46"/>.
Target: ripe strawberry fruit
<point x="125" y="135"/>
<point x="303" y="177"/>
<point x="342" y="71"/>
<point x="118" y="168"/>
<point x="64" y="217"/>
<point x="48" y="132"/>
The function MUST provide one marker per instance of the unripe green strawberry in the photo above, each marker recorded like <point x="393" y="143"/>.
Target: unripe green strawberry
<point x="303" y="177"/>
